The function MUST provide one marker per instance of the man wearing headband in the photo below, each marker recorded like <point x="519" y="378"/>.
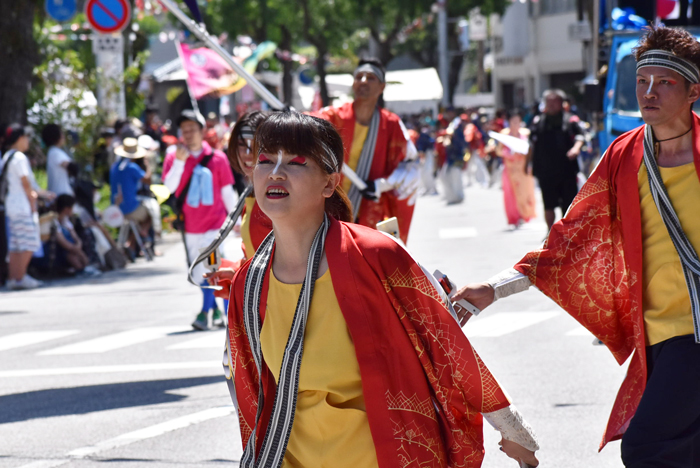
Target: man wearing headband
<point x="624" y="259"/>
<point x="378" y="149"/>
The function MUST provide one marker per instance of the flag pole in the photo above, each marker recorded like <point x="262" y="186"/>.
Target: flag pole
<point x="199" y="30"/>
<point x="193" y="99"/>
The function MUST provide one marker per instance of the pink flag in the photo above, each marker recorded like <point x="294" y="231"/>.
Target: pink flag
<point x="207" y="73"/>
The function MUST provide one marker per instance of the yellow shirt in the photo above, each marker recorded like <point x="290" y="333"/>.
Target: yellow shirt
<point x="245" y="227"/>
<point x="358" y="140"/>
<point x="666" y="300"/>
<point x="330" y="428"/>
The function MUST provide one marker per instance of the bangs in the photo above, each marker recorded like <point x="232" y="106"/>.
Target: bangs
<point x="302" y="135"/>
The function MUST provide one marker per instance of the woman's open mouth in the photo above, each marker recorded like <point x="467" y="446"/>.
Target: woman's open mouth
<point x="276" y="192"/>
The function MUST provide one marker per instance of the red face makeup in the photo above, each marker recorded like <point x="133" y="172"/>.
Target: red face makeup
<point x="298" y="160"/>
<point x="263" y="158"/>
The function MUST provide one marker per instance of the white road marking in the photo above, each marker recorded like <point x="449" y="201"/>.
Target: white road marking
<point x="115" y="341"/>
<point x="504" y="323"/>
<point x="136" y="436"/>
<point x="209" y="340"/>
<point x="457" y="233"/>
<point x="579" y="331"/>
<point x="112" y="369"/>
<point x="29" y="338"/>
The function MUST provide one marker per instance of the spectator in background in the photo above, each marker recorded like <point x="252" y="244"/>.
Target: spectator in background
<point x="153" y="126"/>
<point x="70" y="254"/>
<point x="125" y="178"/>
<point x="59" y="166"/>
<point x="20" y="208"/>
<point x="556" y="144"/>
<point x="211" y="132"/>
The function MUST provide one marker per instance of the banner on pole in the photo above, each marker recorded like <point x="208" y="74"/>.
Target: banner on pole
<point x="209" y="74"/>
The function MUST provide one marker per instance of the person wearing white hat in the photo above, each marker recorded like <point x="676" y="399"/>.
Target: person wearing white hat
<point x="125" y="177"/>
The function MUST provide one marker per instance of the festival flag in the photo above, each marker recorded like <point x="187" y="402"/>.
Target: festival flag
<point x="208" y="73"/>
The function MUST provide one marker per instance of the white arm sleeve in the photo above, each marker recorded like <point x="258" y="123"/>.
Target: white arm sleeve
<point x="229" y="197"/>
<point x="172" y="179"/>
<point x="510" y="423"/>
<point x="508" y="282"/>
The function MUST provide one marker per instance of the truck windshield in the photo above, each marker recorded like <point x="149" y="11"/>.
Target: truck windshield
<point x="625" y="88"/>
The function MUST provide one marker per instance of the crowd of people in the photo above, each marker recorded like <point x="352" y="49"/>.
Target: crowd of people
<point x="464" y="147"/>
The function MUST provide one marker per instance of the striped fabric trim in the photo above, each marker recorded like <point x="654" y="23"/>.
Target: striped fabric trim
<point x="686" y="252"/>
<point x="226" y="228"/>
<point x="365" y="162"/>
<point x="666" y="59"/>
<point x="279" y="428"/>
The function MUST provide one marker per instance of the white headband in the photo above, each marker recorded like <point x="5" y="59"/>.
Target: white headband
<point x="369" y="68"/>
<point x="666" y="59"/>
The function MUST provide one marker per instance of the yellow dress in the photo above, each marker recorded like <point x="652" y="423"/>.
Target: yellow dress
<point x="330" y="428"/>
<point x="358" y="140"/>
<point x="245" y="227"/>
<point x="666" y="299"/>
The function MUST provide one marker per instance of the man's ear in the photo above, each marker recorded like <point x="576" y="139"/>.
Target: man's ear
<point x="694" y="93"/>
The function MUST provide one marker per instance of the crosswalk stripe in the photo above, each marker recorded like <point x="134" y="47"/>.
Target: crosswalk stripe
<point x="114" y="341"/>
<point x="457" y="233"/>
<point x="209" y="340"/>
<point x="29" y="338"/>
<point x="504" y="323"/>
<point x="159" y="366"/>
<point x="136" y="436"/>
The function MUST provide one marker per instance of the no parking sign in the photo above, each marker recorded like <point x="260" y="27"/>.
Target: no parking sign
<point x="108" y="16"/>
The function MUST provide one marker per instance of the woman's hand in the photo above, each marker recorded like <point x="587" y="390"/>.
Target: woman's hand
<point x="223" y="278"/>
<point x="519" y="453"/>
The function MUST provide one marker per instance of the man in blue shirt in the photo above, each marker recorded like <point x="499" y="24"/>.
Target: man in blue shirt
<point x="125" y="177"/>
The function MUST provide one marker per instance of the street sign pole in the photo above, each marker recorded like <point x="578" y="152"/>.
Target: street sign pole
<point x="108" y="18"/>
<point x="201" y="33"/>
<point x="109" y="55"/>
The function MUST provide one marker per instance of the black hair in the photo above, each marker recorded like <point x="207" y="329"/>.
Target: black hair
<point x="252" y="119"/>
<point x="296" y="133"/>
<point x="13" y="133"/>
<point x="515" y="112"/>
<point x="51" y="134"/>
<point x="64" y="201"/>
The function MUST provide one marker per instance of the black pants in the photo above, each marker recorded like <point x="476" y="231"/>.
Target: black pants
<point x="558" y="191"/>
<point x="665" y="430"/>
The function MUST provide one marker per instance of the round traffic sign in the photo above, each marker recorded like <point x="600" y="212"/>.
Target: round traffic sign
<point x="108" y="16"/>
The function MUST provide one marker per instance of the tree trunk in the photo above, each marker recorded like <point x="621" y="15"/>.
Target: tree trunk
<point x="19" y="55"/>
<point x="321" y="70"/>
<point x="287" y="79"/>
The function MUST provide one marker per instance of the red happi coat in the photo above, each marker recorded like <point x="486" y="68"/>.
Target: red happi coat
<point x="390" y="150"/>
<point x="424" y="385"/>
<point x="591" y="265"/>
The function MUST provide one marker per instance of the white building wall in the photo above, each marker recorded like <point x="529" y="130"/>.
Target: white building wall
<point x="533" y="48"/>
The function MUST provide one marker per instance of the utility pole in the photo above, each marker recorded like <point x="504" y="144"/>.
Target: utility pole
<point x="443" y="52"/>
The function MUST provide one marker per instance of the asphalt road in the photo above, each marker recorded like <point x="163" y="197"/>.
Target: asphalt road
<point x="108" y="370"/>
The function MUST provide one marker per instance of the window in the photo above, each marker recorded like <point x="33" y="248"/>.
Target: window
<point x="625" y="98"/>
<point x="552" y="7"/>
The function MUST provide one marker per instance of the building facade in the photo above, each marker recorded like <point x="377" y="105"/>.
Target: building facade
<point x="541" y="49"/>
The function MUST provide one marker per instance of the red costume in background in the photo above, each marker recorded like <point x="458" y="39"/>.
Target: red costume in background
<point x="390" y="150"/>
<point x="424" y="385"/>
<point x="591" y="265"/>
